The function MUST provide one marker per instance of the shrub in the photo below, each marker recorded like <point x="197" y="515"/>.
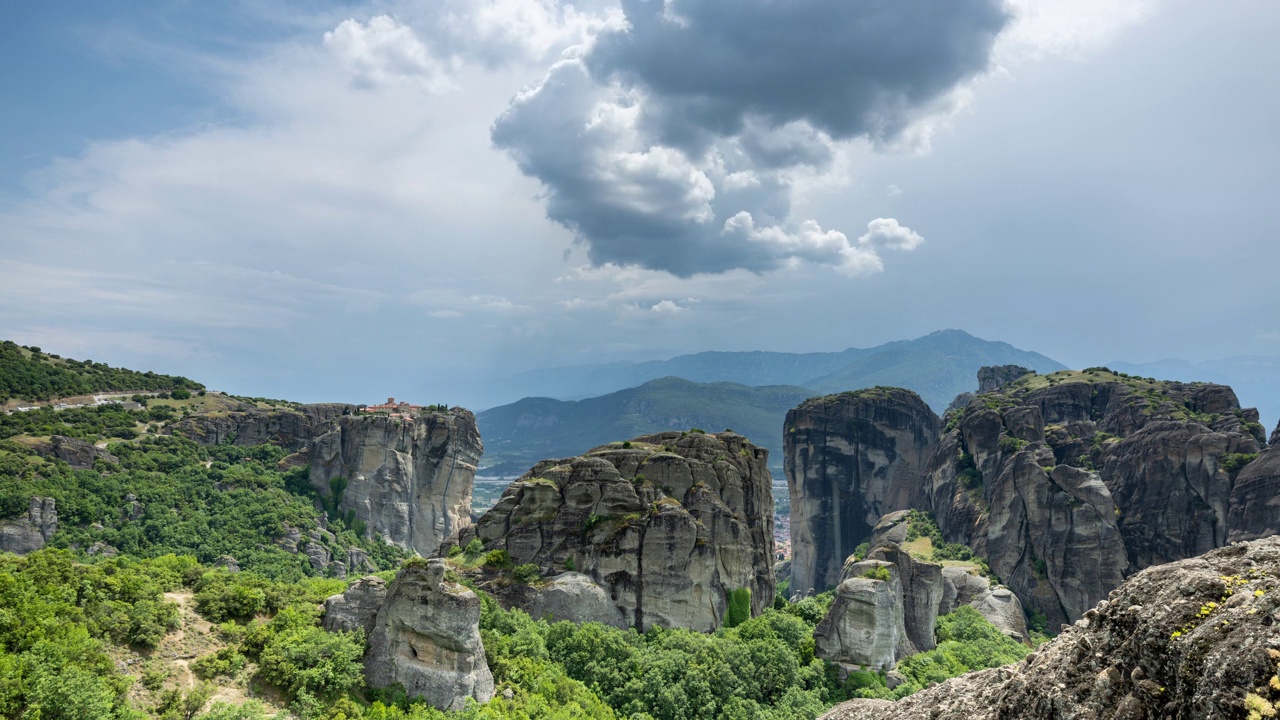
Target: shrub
<point x="497" y="559"/>
<point x="527" y="573"/>
<point x="739" y="610"/>
<point x="226" y="661"/>
<point x="474" y="548"/>
<point x="1234" y="461"/>
<point x="454" y="551"/>
<point x="879" y="572"/>
<point x="570" y="565"/>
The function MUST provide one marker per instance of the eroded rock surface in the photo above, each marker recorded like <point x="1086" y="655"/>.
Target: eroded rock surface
<point x="850" y="458"/>
<point x="994" y="377"/>
<point x="864" y="625"/>
<point x="77" y="453"/>
<point x="1185" y="641"/>
<point x="408" y="480"/>
<point x="356" y="608"/>
<point x="1255" y="497"/>
<point x="426" y="636"/>
<point x="292" y="428"/>
<point x="666" y="524"/>
<point x="30" y="533"/>
<point x="1068" y="483"/>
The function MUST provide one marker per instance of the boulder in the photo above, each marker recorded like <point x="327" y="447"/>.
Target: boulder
<point x="666" y="524"/>
<point x="78" y="453"/>
<point x="406" y="479"/>
<point x="30" y="533"/>
<point x="1190" y="639"/>
<point x="850" y="458"/>
<point x="426" y="637"/>
<point x="357" y="607"/>
<point x="575" y="597"/>
<point x="864" y="626"/>
<point x="996" y="603"/>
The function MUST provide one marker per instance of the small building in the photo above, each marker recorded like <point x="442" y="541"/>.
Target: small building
<point x="391" y="406"/>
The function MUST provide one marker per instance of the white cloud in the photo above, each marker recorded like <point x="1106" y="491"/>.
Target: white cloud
<point x="385" y="52"/>
<point x="667" y="307"/>
<point x="887" y="233"/>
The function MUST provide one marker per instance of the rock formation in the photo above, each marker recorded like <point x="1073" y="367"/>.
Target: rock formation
<point x="292" y="428"/>
<point x="1186" y="640"/>
<point x="77" y="453"/>
<point x="426" y="636"/>
<point x="865" y="626"/>
<point x="887" y="605"/>
<point x="356" y="608"/>
<point x="994" y="377"/>
<point x="667" y="525"/>
<point x="849" y="459"/>
<point x="407" y="480"/>
<point x="1255" y="496"/>
<point x="1067" y="483"/>
<point x="28" y="534"/>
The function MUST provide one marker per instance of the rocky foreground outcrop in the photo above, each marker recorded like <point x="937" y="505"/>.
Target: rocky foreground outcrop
<point x="849" y="459"/>
<point x="1070" y="482"/>
<point x="408" y="480"/>
<point x="292" y="428"/>
<point x="665" y="526"/>
<point x="1187" y="640"/>
<point x="29" y="533"/>
<point x="424" y="633"/>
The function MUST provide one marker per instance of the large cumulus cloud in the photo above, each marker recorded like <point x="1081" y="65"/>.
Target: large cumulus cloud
<point x="674" y="141"/>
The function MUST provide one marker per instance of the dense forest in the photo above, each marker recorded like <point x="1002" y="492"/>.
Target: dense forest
<point x="130" y="612"/>
<point x="27" y="373"/>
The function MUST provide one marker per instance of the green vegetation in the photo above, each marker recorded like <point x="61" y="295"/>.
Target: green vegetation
<point x="29" y="374"/>
<point x="879" y="572"/>
<point x="1233" y="462"/>
<point x="922" y="525"/>
<point x="739" y="609"/>
<point x="192" y="500"/>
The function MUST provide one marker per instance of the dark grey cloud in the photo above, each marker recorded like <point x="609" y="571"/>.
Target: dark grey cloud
<point x="847" y="67"/>
<point x="674" y="142"/>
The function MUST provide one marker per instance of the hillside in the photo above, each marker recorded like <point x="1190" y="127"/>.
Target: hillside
<point x="27" y="373"/>
<point x="1256" y="379"/>
<point x="518" y="435"/>
<point x="938" y="366"/>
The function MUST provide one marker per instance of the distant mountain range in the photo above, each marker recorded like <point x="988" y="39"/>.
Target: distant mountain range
<point x="749" y="392"/>
<point x="938" y="366"/>
<point x="520" y="434"/>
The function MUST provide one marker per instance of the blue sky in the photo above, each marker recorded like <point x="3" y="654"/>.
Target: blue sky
<point x="346" y="201"/>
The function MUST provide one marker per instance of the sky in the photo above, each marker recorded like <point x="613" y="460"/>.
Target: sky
<point x="349" y="200"/>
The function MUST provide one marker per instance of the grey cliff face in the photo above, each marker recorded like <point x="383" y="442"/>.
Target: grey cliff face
<point x="1068" y="483"/>
<point x="408" y="480"/>
<point x="426" y="636"/>
<point x="290" y="428"/>
<point x="1255" y="497"/>
<point x="849" y="459"/>
<point x="30" y="533"/>
<point x="665" y="525"/>
<point x="1185" y="640"/>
